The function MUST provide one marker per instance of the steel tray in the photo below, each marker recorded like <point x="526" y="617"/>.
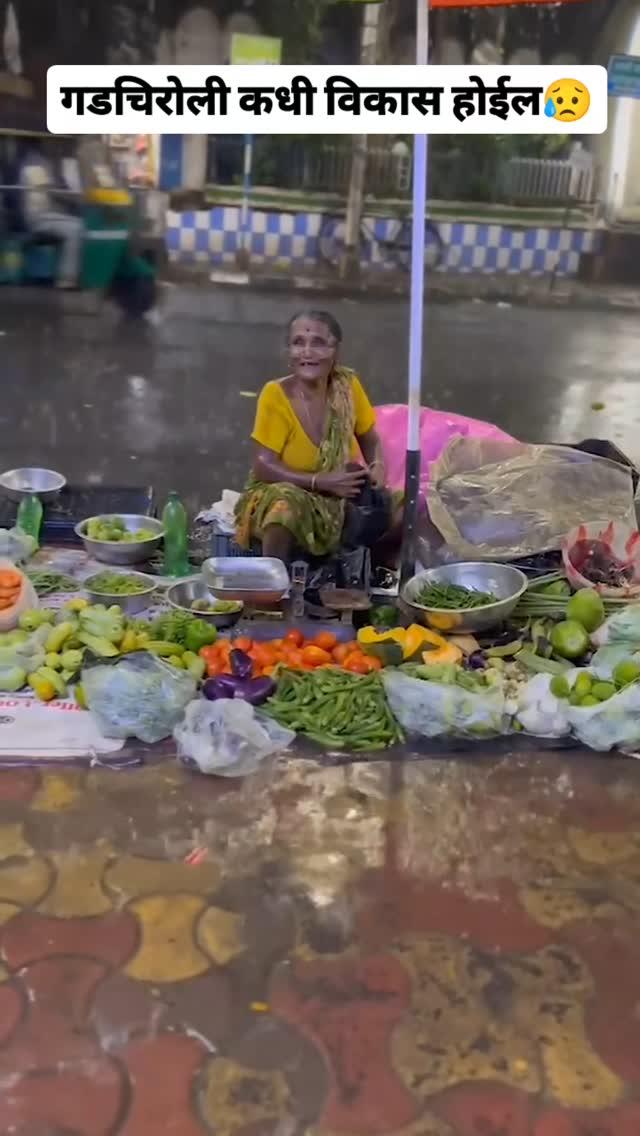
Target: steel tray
<point x="256" y="580"/>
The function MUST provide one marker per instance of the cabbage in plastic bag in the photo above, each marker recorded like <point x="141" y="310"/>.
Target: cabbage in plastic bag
<point x="622" y="627"/>
<point x="434" y="709"/>
<point x="139" y="696"/>
<point x="16" y="545"/>
<point x="228" y="738"/>
<point x="539" y="712"/>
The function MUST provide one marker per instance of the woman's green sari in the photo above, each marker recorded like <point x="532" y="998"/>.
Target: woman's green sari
<point x="315" y="521"/>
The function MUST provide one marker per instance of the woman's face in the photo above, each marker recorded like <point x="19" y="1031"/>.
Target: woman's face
<point x="312" y="350"/>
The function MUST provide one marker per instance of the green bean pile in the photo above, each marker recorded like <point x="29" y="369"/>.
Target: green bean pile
<point x="117" y="584"/>
<point x="453" y="597"/>
<point x="46" y="583"/>
<point x="335" y="709"/>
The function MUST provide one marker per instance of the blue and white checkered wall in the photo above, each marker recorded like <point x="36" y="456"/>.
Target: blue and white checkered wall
<point x="291" y="240"/>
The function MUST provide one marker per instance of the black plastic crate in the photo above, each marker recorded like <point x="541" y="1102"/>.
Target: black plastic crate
<point x="75" y="503"/>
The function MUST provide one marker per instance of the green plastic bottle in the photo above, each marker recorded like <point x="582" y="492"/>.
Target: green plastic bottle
<point x="176" y="534"/>
<point x="29" y="518"/>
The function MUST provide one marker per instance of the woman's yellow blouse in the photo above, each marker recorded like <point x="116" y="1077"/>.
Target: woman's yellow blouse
<point x="278" y="428"/>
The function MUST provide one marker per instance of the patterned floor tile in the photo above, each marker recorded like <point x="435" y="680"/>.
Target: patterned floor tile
<point x="18" y="785"/>
<point x="516" y="1020"/>
<point x="621" y="1121"/>
<point x="134" y="876"/>
<point x="234" y="1099"/>
<point x="83" y="1101"/>
<point x="58" y="994"/>
<point x="349" y="1007"/>
<point x="167" y="951"/>
<point x="485" y="1110"/>
<point x="59" y="791"/>
<point x="397" y="905"/>
<point x="28" y="937"/>
<point x="162" y="1074"/>
<point x="77" y="888"/>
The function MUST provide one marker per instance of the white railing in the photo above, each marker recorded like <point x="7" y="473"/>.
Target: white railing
<point x="549" y="179"/>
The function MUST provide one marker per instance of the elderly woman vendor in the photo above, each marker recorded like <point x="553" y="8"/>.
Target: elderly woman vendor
<point x="311" y="432"/>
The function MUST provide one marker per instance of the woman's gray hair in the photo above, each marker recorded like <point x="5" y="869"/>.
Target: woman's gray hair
<point x="329" y="321"/>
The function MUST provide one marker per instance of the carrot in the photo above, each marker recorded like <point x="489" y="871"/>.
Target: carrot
<point x="9" y="578"/>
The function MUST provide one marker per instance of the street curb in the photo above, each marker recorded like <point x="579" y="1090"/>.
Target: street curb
<point x="438" y="293"/>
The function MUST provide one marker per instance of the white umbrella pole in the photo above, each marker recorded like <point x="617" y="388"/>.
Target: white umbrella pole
<point x="414" y="400"/>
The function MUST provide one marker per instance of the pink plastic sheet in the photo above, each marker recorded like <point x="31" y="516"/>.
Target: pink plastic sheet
<point x="437" y="428"/>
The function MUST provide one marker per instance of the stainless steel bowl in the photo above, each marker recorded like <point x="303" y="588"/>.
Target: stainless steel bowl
<point x="260" y="581"/>
<point x="43" y="483"/>
<point x="117" y="552"/>
<point x="130" y="605"/>
<point x="182" y="595"/>
<point x="503" y="581"/>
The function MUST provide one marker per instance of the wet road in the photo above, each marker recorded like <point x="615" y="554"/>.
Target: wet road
<point x="438" y="949"/>
<point x="113" y="403"/>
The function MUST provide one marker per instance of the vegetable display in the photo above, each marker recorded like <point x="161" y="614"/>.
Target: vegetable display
<point x="184" y="628"/>
<point x="453" y="597"/>
<point x="113" y="529"/>
<point x="117" y="584"/>
<point x="216" y="607"/>
<point x="47" y="583"/>
<point x="401" y="644"/>
<point x="293" y="651"/>
<point x="336" y="709"/>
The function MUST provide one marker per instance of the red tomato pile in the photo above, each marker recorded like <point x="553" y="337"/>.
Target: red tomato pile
<point x="293" y="651"/>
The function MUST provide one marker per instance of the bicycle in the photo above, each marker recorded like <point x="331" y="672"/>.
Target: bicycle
<point x="394" y="249"/>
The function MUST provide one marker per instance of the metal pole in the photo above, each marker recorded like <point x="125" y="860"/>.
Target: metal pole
<point x="416" y="320"/>
<point x="243" y="255"/>
<point x="350" y="264"/>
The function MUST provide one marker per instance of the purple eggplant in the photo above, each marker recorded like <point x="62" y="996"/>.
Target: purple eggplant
<point x="241" y="664"/>
<point x="222" y="686"/>
<point x="253" y="690"/>
<point x="477" y="661"/>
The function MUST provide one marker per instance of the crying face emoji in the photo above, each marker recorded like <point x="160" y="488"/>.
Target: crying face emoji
<point x="566" y="100"/>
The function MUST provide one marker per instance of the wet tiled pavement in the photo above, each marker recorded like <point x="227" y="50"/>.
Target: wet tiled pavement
<point x="421" y="949"/>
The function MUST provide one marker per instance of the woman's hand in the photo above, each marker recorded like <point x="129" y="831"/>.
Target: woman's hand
<point x="341" y="483"/>
<point x="377" y="474"/>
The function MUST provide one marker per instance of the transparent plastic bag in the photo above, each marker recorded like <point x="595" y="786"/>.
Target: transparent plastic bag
<point x="539" y="712"/>
<point x="16" y="545"/>
<point x="496" y="500"/>
<point x="609" y="725"/>
<point x="621" y="627"/>
<point x="228" y="738"/>
<point x="433" y="709"/>
<point x="606" y="658"/>
<point x="139" y="696"/>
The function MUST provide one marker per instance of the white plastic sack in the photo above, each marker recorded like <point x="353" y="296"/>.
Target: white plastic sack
<point x="228" y="738"/>
<point x="539" y="712"/>
<point x="433" y="709"/>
